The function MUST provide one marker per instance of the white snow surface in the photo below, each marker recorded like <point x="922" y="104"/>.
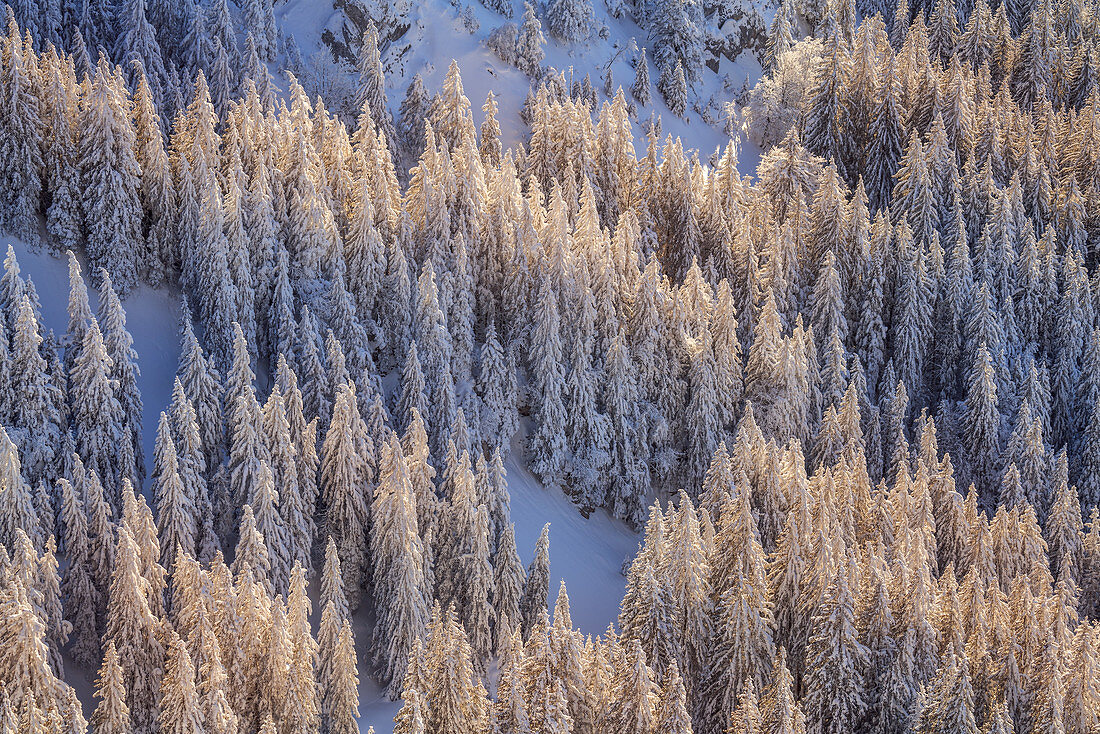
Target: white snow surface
<point x="152" y="316"/>
<point x="437" y="35"/>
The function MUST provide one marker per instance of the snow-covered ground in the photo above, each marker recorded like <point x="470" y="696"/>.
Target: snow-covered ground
<point x="152" y="316"/>
<point x="587" y="553"/>
<point x="437" y="35"/>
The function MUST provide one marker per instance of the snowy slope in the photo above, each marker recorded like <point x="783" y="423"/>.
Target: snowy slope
<point x="437" y="35"/>
<point x="587" y="553"/>
<point x="152" y="316"/>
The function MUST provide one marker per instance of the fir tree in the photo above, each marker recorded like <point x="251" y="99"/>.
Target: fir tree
<point x="343" y="474"/>
<point x="111" y="178"/>
<point x="641" y="87"/>
<point x="21" y="139"/>
<point x="569" y="20"/>
<point x="112" y="715"/>
<point x="529" y="42"/>
<point x="536" y="587"/>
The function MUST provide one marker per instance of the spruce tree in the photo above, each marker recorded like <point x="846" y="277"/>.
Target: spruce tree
<point x="546" y="447"/>
<point x="702" y="421"/>
<point x="132" y="629"/>
<point x="983" y="420"/>
<point x="112" y="715"/>
<point x="641" y="87"/>
<point x="21" y="140"/>
<point x="673" y="87"/>
<point x="676" y="28"/>
<point x="569" y="21"/>
<point x="124" y="370"/>
<point x="111" y="178"/>
<point x="835" y="658"/>
<point x="35" y="412"/>
<point x="264" y="500"/>
<point x="536" y="587"/>
<point x="496" y="386"/>
<point x="180" y="709"/>
<point x="98" y="418"/>
<point x="345" y="694"/>
<point x="250" y="558"/>
<point x="370" y="94"/>
<point x="400" y="584"/>
<point x="177" y="515"/>
<point x="79" y="595"/>
<point x="529" y="42"/>
<point x="636" y="694"/>
<point x="344" y="473"/>
<point x="202" y="385"/>
<point x="885" y="140"/>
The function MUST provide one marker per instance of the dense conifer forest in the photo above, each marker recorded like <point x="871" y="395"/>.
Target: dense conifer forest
<point x="850" y="400"/>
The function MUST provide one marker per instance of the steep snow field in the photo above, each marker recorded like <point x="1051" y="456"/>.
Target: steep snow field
<point x="437" y="35"/>
<point x="152" y="316"/>
<point x="587" y="553"/>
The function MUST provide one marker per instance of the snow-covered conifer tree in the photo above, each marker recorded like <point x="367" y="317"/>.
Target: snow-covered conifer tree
<point x="746" y="719"/>
<point x="529" y="42"/>
<point x="64" y="217"/>
<point x="344" y="474"/>
<point x="112" y="715"/>
<point x="97" y="414"/>
<point x="124" y="369"/>
<point x="251" y="559"/>
<point x="112" y="179"/>
<point x="835" y="658"/>
<point x="370" y="94"/>
<point x="132" y="629"/>
<point x="79" y="595"/>
<point x="401" y="590"/>
<point x="536" y="587"/>
<point x="546" y="447"/>
<point x="21" y="140"/>
<point x="497" y="387"/>
<point x="177" y="524"/>
<point x="586" y="429"/>
<point x="640" y="89"/>
<point x="180" y="709"/>
<point x="345" y="691"/>
<point x="983" y="421"/>
<point x="34" y="410"/>
<point x="569" y="21"/>
<point x="637" y="695"/>
<point x="673" y="86"/>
